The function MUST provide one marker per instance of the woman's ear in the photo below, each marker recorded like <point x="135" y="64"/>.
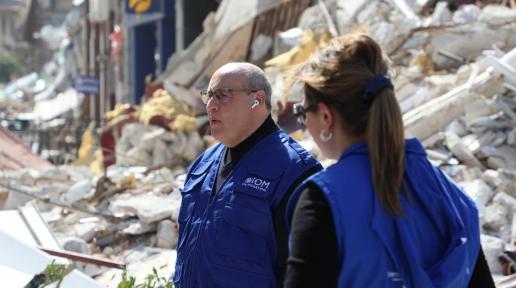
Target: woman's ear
<point x="326" y="115"/>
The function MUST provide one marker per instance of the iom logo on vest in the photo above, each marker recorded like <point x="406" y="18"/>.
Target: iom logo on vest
<point x="256" y="183"/>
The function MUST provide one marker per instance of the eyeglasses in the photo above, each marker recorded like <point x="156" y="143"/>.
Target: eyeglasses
<point x="222" y="95"/>
<point x="300" y="112"/>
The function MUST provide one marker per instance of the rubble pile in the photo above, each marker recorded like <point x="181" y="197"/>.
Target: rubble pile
<point x="160" y="133"/>
<point x="129" y="215"/>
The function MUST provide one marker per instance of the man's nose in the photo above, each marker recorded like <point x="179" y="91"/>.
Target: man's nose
<point x="212" y="105"/>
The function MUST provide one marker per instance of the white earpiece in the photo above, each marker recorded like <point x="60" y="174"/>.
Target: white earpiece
<point x="255" y="104"/>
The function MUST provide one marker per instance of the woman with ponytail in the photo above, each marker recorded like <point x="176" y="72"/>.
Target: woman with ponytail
<point x="382" y="215"/>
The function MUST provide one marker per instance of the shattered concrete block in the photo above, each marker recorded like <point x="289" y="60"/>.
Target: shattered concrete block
<point x="479" y="191"/>
<point x="478" y="109"/>
<point x="492" y="177"/>
<point x="433" y="140"/>
<point x="148" y="207"/>
<point x="441" y="15"/>
<point x="503" y="157"/>
<point x="496" y="216"/>
<point x="155" y="177"/>
<point x="150" y="137"/>
<point x="161" y="156"/>
<point x="76" y="245"/>
<point x="78" y="191"/>
<point x="347" y="12"/>
<point x="422" y="95"/>
<point x="168" y="233"/>
<point x="260" y="47"/>
<point x="506" y="200"/>
<point x="475" y="141"/>
<point x="136" y="157"/>
<point x="185" y="73"/>
<point x="497" y="15"/>
<point x="438" y="155"/>
<point x="313" y="19"/>
<point x="385" y="34"/>
<point x="457" y="127"/>
<point x="457" y="42"/>
<point x="195" y="148"/>
<point x="500" y="139"/>
<point x="86" y="231"/>
<point x="466" y="14"/>
<point x="136" y="227"/>
<point x="462" y="173"/>
<point x="492" y="247"/>
<point x="461" y="151"/>
<point x="132" y="135"/>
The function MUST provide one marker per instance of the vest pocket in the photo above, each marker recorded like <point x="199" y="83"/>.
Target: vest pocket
<point x="244" y="235"/>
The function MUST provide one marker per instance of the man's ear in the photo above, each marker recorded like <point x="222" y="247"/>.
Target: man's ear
<point x="260" y="96"/>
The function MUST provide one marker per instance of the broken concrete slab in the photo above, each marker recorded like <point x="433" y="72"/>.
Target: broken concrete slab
<point x="503" y="157"/>
<point x="168" y="233"/>
<point x="148" y="207"/>
<point x="86" y="231"/>
<point x="496" y="217"/>
<point x="136" y="227"/>
<point x="78" y="191"/>
<point x="497" y="15"/>
<point x="461" y="151"/>
<point x="76" y="245"/>
<point x="492" y="247"/>
<point x="479" y="191"/>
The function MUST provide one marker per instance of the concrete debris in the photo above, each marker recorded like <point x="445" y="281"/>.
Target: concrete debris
<point x="86" y="231"/>
<point x="492" y="246"/>
<point x="168" y="233"/>
<point x="148" y="207"/>
<point x="76" y="245"/>
<point x="497" y="15"/>
<point x="135" y="227"/>
<point x="479" y="191"/>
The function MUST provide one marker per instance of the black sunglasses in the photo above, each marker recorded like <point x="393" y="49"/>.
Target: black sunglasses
<point x="300" y="112"/>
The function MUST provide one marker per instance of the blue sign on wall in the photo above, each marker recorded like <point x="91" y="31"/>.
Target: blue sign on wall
<point x="86" y="84"/>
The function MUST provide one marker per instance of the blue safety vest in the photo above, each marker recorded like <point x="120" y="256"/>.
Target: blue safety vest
<point x="227" y="239"/>
<point x="436" y="244"/>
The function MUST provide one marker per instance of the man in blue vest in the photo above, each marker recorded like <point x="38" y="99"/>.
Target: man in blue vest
<point x="231" y="223"/>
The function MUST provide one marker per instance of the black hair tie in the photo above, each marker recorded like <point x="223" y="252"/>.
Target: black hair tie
<point x="375" y="85"/>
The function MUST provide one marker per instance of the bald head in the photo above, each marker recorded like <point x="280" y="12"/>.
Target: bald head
<point x="252" y="74"/>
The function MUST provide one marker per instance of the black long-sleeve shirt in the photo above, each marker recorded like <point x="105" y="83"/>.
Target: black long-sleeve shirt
<point x="313" y="259"/>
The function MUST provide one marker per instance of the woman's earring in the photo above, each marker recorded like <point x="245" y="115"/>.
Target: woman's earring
<point x="325" y="136"/>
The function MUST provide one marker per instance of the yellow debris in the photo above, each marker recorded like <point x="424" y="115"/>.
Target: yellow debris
<point x="97" y="166"/>
<point x="183" y="123"/>
<point x="308" y="44"/>
<point x="425" y="62"/>
<point x="129" y="181"/>
<point x="164" y="104"/>
<point x="120" y="112"/>
<point x="85" y="153"/>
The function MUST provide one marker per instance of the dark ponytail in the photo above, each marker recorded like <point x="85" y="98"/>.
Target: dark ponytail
<point x="386" y="141"/>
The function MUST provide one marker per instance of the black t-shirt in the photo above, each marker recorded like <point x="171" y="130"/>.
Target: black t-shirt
<point x="313" y="259"/>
